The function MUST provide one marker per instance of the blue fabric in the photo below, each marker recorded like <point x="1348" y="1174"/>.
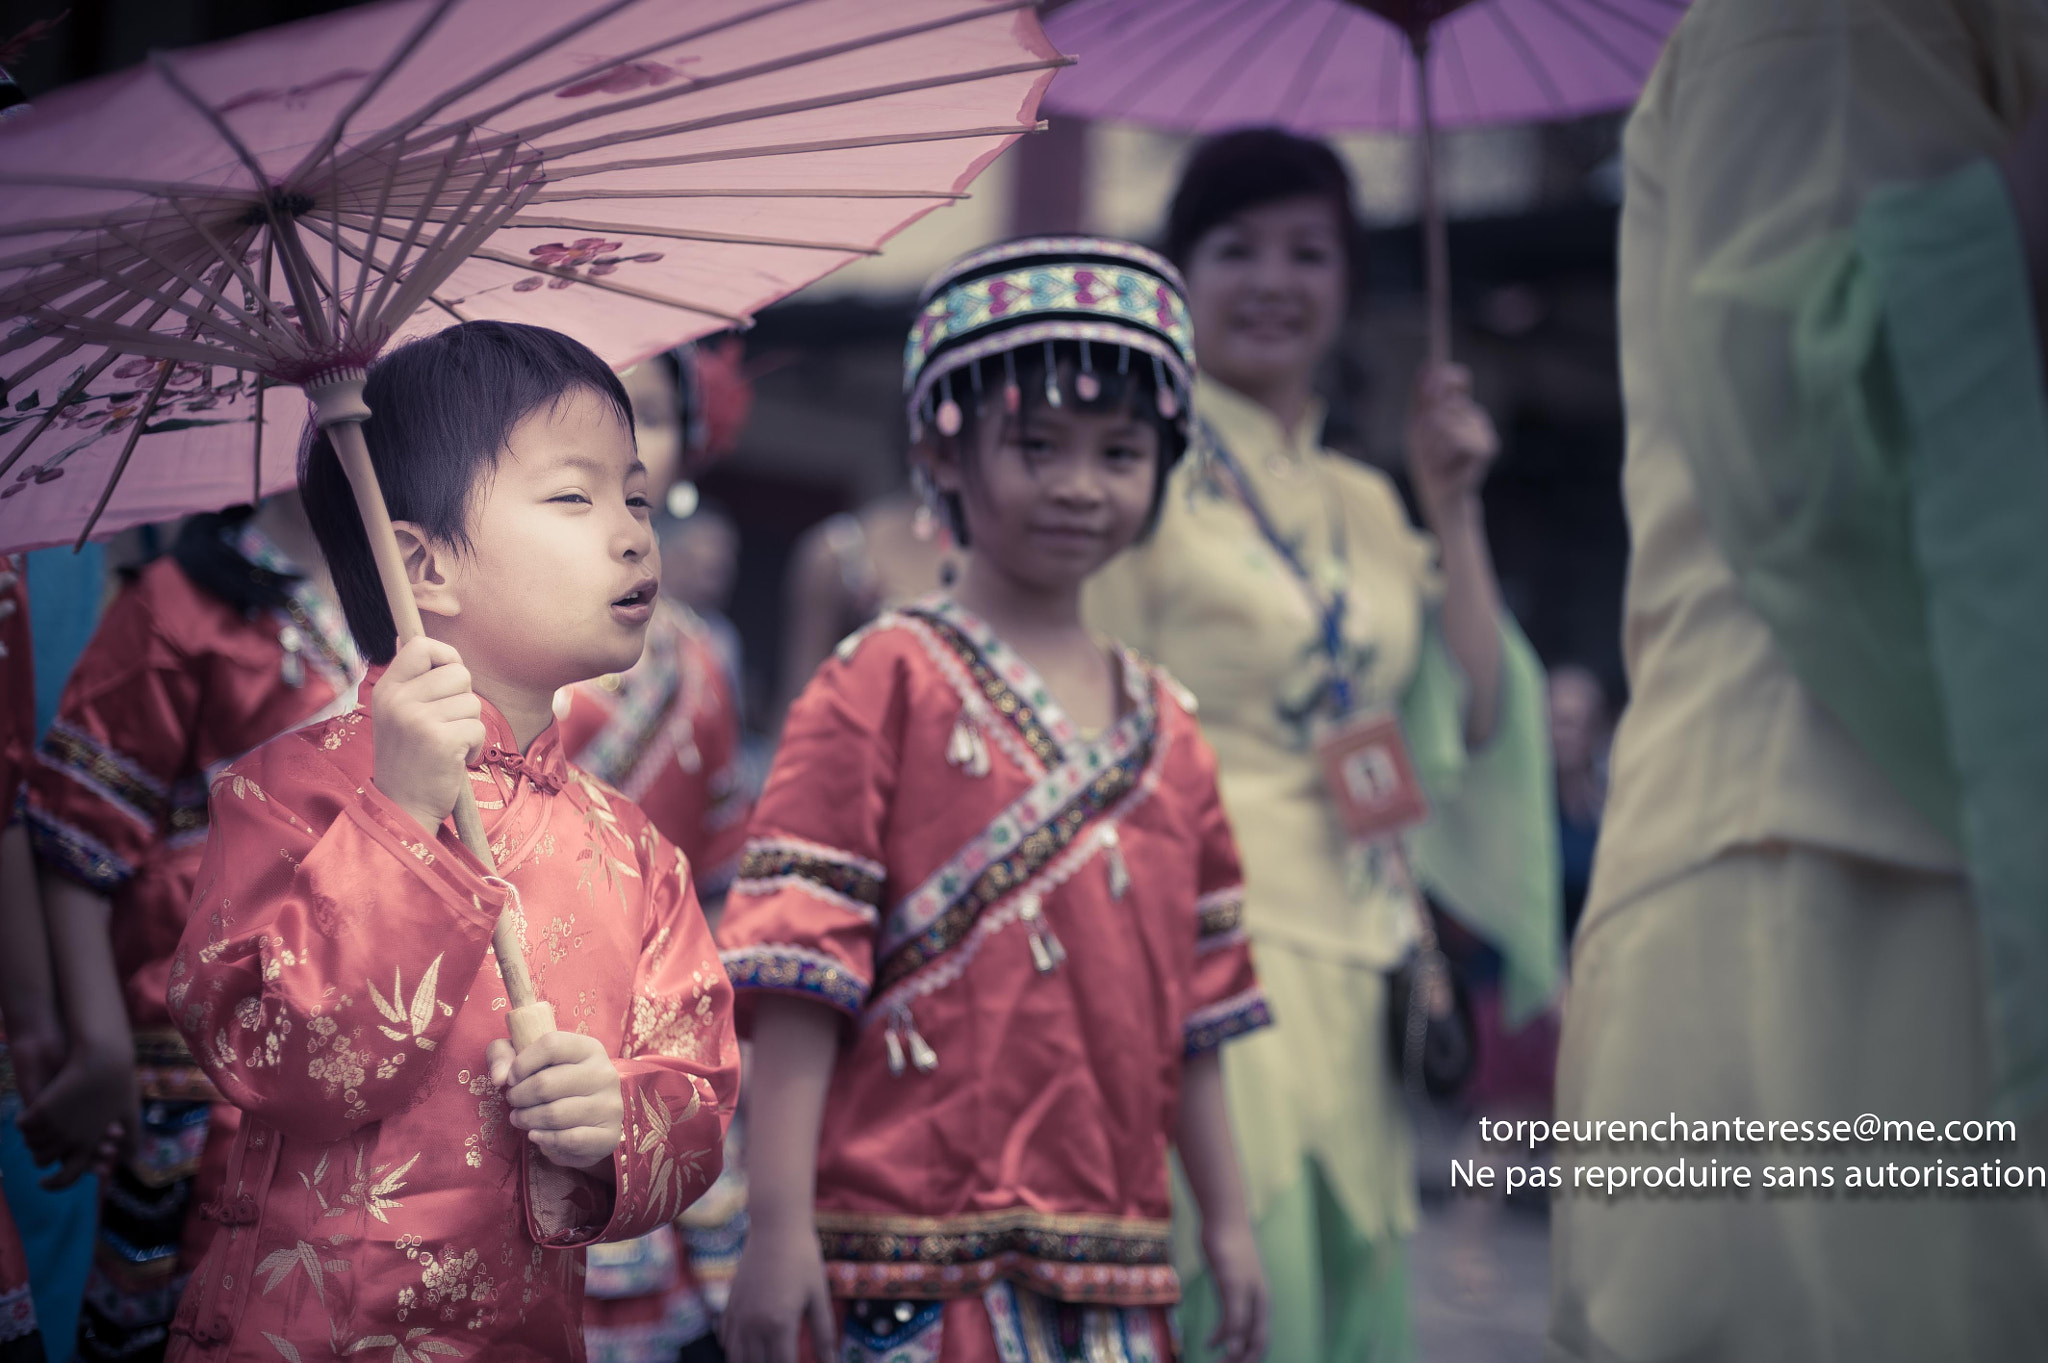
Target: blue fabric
<point x="56" y="1235"/>
<point x="63" y="607"/>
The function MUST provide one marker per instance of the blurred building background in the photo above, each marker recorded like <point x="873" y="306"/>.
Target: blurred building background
<point x="1533" y="213"/>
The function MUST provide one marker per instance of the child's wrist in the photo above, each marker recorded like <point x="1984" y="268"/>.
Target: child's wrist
<point x="425" y="818"/>
<point x="103" y="1045"/>
<point x="779" y="1225"/>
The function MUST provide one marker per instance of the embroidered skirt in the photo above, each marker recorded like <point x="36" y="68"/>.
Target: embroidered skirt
<point x="1005" y="1324"/>
<point x="151" y="1233"/>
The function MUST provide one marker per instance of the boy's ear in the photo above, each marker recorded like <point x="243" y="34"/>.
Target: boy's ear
<point x="428" y="567"/>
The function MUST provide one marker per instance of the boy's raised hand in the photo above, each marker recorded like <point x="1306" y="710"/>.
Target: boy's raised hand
<point x="429" y="727"/>
<point x="564" y="1093"/>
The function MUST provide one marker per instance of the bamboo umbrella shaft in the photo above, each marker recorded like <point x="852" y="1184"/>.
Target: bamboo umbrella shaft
<point x="1435" y="249"/>
<point x="339" y="408"/>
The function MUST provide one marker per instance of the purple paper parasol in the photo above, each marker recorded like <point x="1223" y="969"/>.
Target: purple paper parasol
<point x="1327" y="66"/>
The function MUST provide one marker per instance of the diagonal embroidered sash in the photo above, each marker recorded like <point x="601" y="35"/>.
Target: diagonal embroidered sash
<point x="1030" y="832"/>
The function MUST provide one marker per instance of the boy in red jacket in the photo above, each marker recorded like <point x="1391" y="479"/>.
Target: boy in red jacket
<point x="403" y="1181"/>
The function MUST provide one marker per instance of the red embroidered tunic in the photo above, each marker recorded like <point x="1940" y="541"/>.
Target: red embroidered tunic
<point x="667" y="733"/>
<point x="174" y="684"/>
<point x="17" y="738"/>
<point x="337" y="982"/>
<point x="1029" y="931"/>
<point x="17" y="684"/>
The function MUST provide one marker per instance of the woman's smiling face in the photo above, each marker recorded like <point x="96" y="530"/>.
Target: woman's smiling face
<point x="1266" y="289"/>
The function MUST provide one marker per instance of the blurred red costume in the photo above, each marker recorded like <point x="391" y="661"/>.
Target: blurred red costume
<point x="1029" y="932"/>
<point x="667" y="733"/>
<point x="337" y="982"/>
<point x="175" y="683"/>
<point x="18" y="1335"/>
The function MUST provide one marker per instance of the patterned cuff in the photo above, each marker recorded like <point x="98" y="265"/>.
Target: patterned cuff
<point x="1208" y="1028"/>
<point x="75" y="852"/>
<point x="836" y="877"/>
<point x="787" y="969"/>
<point x="1220" y="915"/>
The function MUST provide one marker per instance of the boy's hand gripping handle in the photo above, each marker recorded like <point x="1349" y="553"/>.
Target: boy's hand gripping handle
<point x="338" y="404"/>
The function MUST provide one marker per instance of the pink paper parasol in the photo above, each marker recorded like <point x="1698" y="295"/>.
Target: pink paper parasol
<point x="1326" y="66"/>
<point x="275" y="210"/>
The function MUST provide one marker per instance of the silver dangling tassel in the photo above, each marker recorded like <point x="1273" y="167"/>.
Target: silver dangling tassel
<point x="1046" y="951"/>
<point x="923" y="1058"/>
<point x="895" y="1045"/>
<point x="1119" y="869"/>
<point x="924" y="520"/>
<point x="967" y="749"/>
<point x="948" y="419"/>
<point x="1123" y="360"/>
<point x="1086" y="386"/>
<point x="1052" y="378"/>
<point x="1013" y="395"/>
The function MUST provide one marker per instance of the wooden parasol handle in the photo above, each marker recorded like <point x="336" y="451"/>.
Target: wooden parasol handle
<point x="339" y="407"/>
<point x="1436" y="255"/>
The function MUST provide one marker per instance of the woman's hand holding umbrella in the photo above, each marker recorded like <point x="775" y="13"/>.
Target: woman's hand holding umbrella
<point x="1450" y="444"/>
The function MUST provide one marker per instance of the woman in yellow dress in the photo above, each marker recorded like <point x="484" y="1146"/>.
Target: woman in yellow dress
<point x="1287" y="590"/>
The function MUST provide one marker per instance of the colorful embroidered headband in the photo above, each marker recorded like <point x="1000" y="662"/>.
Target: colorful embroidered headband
<point x="1039" y="290"/>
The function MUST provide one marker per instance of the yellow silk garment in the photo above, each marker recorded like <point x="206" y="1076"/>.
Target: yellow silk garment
<point x="1210" y="599"/>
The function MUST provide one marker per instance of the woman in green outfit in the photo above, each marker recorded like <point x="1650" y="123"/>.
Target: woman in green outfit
<point x="1287" y="590"/>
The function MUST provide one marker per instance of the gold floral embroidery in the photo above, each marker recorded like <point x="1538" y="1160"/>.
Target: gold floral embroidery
<point x="601" y="828"/>
<point x="420" y="1014"/>
<point x="490" y="1111"/>
<point x="451" y="1280"/>
<point x="279" y="1264"/>
<point x="418" y="1346"/>
<point x="674" y="1173"/>
<point x="675" y="1026"/>
<point x="342" y="1071"/>
<point x="377" y="1191"/>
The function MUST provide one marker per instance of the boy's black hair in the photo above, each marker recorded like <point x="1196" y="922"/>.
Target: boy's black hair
<point x="441" y="410"/>
<point x="1234" y="171"/>
<point x="1133" y="390"/>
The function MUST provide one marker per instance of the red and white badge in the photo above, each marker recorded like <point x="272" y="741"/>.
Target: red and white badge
<point x="1371" y="777"/>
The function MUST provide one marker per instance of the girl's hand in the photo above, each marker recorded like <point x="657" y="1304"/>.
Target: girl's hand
<point x="778" y="1289"/>
<point x="1451" y="442"/>
<point x="564" y="1094"/>
<point x="38" y="1052"/>
<point x="85" y="1117"/>
<point x="1233" y="1256"/>
<point x="428" y="726"/>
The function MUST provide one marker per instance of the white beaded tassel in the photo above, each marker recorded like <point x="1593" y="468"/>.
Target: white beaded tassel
<point x="904" y="1043"/>
<point x="1046" y="951"/>
<point x="967" y="749"/>
<point x="1119" y="869"/>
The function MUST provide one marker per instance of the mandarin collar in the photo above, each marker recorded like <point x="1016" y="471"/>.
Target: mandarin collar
<point x="543" y="763"/>
<point x="1248" y="429"/>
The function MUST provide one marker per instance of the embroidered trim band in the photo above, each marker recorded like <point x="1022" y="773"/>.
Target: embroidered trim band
<point x="1208" y="1028"/>
<point x="76" y="851"/>
<point x="1221" y="910"/>
<point x="796" y="970"/>
<point x="108" y="774"/>
<point x="768" y="862"/>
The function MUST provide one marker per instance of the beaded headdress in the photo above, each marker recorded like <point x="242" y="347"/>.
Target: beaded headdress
<point x="1094" y="291"/>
